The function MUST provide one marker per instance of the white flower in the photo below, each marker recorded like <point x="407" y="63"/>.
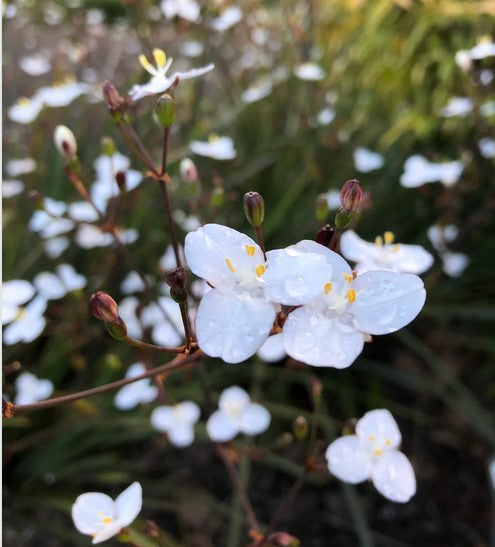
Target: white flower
<point x="418" y="171"/>
<point x="333" y="199"/>
<point x="49" y="221"/>
<point x="272" y="350"/>
<point x="485" y="48"/>
<point x="372" y="454"/>
<point x="191" y="48"/>
<point x="454" y="264"/>
<point x="187" y="9"/>
<point x="331" y="329"/>
<point x="22" y="166"/>
<point x="138" y="392"/>
<point x="229" y="17"/>
<point x="165" y="320"/>
<point x="325" y="116"/>
<point x="11" y="188"/>
<point x="28" y="323"/>
<point x="236" y="414"/>
<point x="35" y="64"/>
<point x="457" y="106"/>
<point x="56" y="246"/>
<point x="259" y="90"/>
<point x="14" y="294"/>
<point x="89" y="237"/>
<point x="132" y="283"/>
<point x="218" y="148"/>
<point x="64" y="140"/>
<point x="62" y="93"/>
<point x="128" y="312"/>
<point x="384" y="254"/>
<point x="52" y="286"/>
<point x="99" y="516"/>
<point x="235" y="318"/>
<point x="487" y="109"/>
<point x="30" y="389"/>
<point x="463" y="59"/>
<point x="167" y="261"/>
<point x="486" y="146"/>
<point x="486" y="76"/>
<point x="25" y="110"/>
<point x="82" y="211"/>
<point x="177" y="422"/>
<point x="365" y="160"/>
<point x="440" y="235"/>
<point x="160" y="82"/>
<point x="310" y="72"/>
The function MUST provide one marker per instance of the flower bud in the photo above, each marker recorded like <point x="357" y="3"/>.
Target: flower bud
<point x="316" y="388"/>
<point x="188" y="171"/>
<point x="254" y="208"/>
<point x="283" y="539"/>
<point x="165" y="110"/>
<point x="351" y="195"/>
<point x="65" y="141"/>
<point x="321" y="208"/>
<point x="218" y="196"/>
<point x="300" y="428"/>
<point x="176" y="280"/>
<point x="120" y="178"/>
<point x="104" y="307"/>
<point x="8" y="409"/>
<point x="116" y="103"/>
<point x="117" y="329"/>
<point x="108" y="146"/>
<point x="324" y="235"/>
<point x="342" y="218"/>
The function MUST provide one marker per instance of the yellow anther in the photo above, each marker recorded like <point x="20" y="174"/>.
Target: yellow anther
<point x="379" y="241"/>
<point x="347" y="277"/>
<point x="260" y="270"/>
<point x="371" y="438"/>
<point x="388" y="442"/>
<point x="21" y="312"/>
<point x="106" y="520"/>
<point x="213" y="137"/>
<point x="389" y="237"/>
<point x="377" y="451"/>
<point x="250" y="249"/>
<point x="351" y="295"/>
<point x="395" y="248"/>
<point x="230" y="265"/>
<point x="23" y="101"/>
<point x="143" y="61"/>
<point x="160" y="57"/>
<point x="327" y="287"/>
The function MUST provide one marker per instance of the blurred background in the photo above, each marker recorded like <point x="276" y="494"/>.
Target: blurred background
<point x="312" y="93"/>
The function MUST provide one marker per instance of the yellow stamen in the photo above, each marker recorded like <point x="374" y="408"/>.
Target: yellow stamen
<point x="371" y="438"/>
<point x="260" y="270"/>
<point x="250" y="249"/>
<point x="21" y="312"/>
<point x="327" y="287"/>
<point x="377" y="451"/>
<point x="351" y="295"/>
<point x="213" y="137"/>
<point x="347" y="277"/>
<point x="395" y="248"/>
<point x="229" y="265"/>
<point x="379" y="241"/>
<point x="106" y="520"/>
<point x="388" y="442"/>
<point x="160" y="57"/>
<point x="23" y="101"/>
<point x="143" y="61"/>
<point x="389" y="237"/>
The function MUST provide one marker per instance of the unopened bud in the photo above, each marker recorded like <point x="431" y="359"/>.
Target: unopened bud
<point x="324" y="235"/>
<point x="104" y="307"/>
<point x="151" y="529"/>
<point x="116" y="103"/>
<point x="117" y="329"/>
<point x="176" y="280"/>
<point x="254" y="208"/>
<point x="283" y="539"/>
<point x="108" y="146"/>
<point x="120" y="178"/>
<point x="316" y="388"/>
<point x="188" y="171"/>
<point x="218" y="196"/>
<point x="321" y="207"/>
<point x="8" y="409"/>
<point x="351" y="194"/>
<point x="65" y="141"/>
<point x="165" y="110"/>
<point x="300" y="428"/>
<point x="342" y="218"/>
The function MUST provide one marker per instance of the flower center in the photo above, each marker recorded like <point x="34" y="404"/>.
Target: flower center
<point x="247" y="275"/>
<point x="339" y="300"/>
<point x="387" y="247"/>
<point x="21" y="312"/>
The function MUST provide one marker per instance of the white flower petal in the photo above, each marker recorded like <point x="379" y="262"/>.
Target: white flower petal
<point x="56" y="246"/>
<point x="193" y="72"/>
<point x="365" y="160"/>
<point x="164" y="334"/>
<point x="181" y="435"/>
<point x="108" y="531"/>
<point x="379" y="429"/>
<point x="228" y="18"/>
<point x="348" y="460"/>
<point x="386" y="301"/>
<point x="315" y="339"/>
<point x="233" y="326"/>
<point x="454" y="264"/>
<point x="128" y="397"/>
<point x="356" y="249"/>
<point x="255" y="419"/>
<point x="393" y="476"/>
<point x="189" y="411"/>
<point x="272" y="350"/>
<point x="49" y="286"/>
<point x="162" y="418"/>
<point x="82" y="211"/>
<point x="17" y="291"/>
<point x="221" y="427"/>
<point x="410" y="259"/>
<point x="220" y="148"/>
<point x="129" y="503"/>
<point x="309" y="71"/>
<point x="11" y="188"/>
<point x="233" y="400"/>
<point x="87" y="511"/>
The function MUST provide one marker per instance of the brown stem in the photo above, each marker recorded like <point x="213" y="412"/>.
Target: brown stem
<point x="166" y="135"/>
<point x="153" y="347"/>
<point x="176" y="363"/>
<point x="261" y="243"/>
<point x="286" y="502"/>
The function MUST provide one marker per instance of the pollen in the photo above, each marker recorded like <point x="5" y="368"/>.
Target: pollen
<point x="377" y="451"/>
<point x="389" y="237"/>
<point x="260" y="270"/>
<point x="250" y="249"/>
<point x="371" y="438"/>
<point x="388" y="442"/>
<point x="230" y="265"/>
<point x="106" y="520"/>
<point x="327" y="287"/>
<point x="351" y="295"/>
<point x="21" y="312"/>
<point x="143" y="61"/>
<point x="395" y="248"/>
<point x="23" y="101"/>
<point x="213" y="137"/>
<point x="347" y="277"/>
<point x="160" y="57"/>
<point x="379" y="241"/>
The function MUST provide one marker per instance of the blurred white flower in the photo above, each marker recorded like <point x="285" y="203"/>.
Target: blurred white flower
<point x="236" y="414"/>
<point x="463" y="59"/>
<point x="56" y="246"/>
<point x="186" y="9"/>
<point x="49" y="222"/>
<point x="457" y="106"/>
<point x="15" y="293"/>
<point x="52" y="286"/>
<point x="62" y="93"/>
<point x="372" y="454"/>
<point x="454" y="264"/>
<point x="165" y="320"/>
<point x="25" y="110"/>
<point x="22" y="166"/>
<point x="487" y="147"/>
<point x="259" y="90"/>
<point x="191" y="48"/>
<point x="159" y="81"/>
<point x="487" y="109"/>
<point x="128" y="312"/>
<point x="485" y="48"/>
<point x="309" y="72"/>
<point x="35" y="64"/>
<point x="384" y="254"/>
<point x="325" y="116"/>
<point x="82" y="211"/>
<point x="177" y="422"/>
<point x="228" y="18"/>
<point x="89" y="237"/>
<point x="418" y="171"/>
<point x="272" y="350"/>
<point x="132" y="283"/>
<point x="486" y="76"/>
<point x="365" y="160"/>
<point x="30" y="389"/>
<point x="141" y="391"/>
<point x="218" y="148"/>
<point x="28" y="323"/>
<point x="99" y="516"/>
<point x="333" y="199"/>
<point x="11" y="188"/>
<point x="441" y="235"/>
<point x="167" y="261"/>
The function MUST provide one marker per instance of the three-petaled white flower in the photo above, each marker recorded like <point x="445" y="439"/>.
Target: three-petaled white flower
<point x="235" y="318"/>
<point x="138" y="392"/>
<point x="236" y="414"/>
<point x="384" y="254"/>
<point x="177" y="422"/>
<point x="30" y="389"/>
<point x="366" y="160"/>
<point x="218" y="148"/>
<point x="372" y="453"/>
<point x="99" y="516"/>
<point x="331" y="329"/>
<point x="160" y="82"/>
<point x="418" y="171"/>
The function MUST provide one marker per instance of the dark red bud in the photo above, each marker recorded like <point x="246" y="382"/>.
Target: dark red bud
<point x="120" y="177"/>
<point x="351" y="194"/>
<point x="176" y="280"/>
<point x="324" y="236"/>
<point x="104" y="307"/>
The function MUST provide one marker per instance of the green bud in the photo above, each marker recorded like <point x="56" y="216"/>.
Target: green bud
<point x="117" y="330"/>
<point x="300" y="428"/>
<point x="165" y="110"/>
<point x="254" y="208"/>
<point x="108" y="146"/>
<point x="342" y="218"/>
<point x="321" y="208"/>
<point x="218" y="196"/>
